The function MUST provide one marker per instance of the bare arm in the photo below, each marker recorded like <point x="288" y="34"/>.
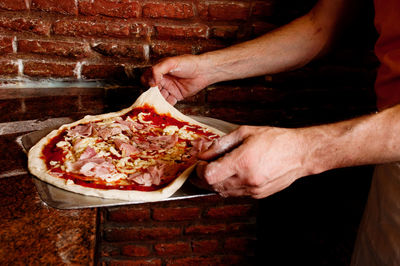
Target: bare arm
<point x="259" y="161"/>
<point x="285" y="48"/>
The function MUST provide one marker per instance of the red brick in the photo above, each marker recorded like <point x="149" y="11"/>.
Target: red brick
<point x="146" y="233"/>
<point x="206" y="229"/>
<point x="168" y="10"/>
<point x="129" y="214"/>
<point x="109" y="251"/>
<point x="121" y="8"/>
<point x="8" y="68"/>
<point x="49" y="69"/>
<point x="263" y="9"/>
<point x="135" y="250"/>
<point x="226" y="12"/>
<point x="38" y="26"/>
<point x="38" y="107"/>
<point x="13" y="4"/>
<point x="65" y="7"/>
<point x="149" y="262"/>
<point x="170" y="49"/>
<point x="208" y="46"/>
<point x="225" y="212"/>
<point x="59" y="48"/>
<point x="242" y="94"/>
<point x="198" y="98"/>
<point x="139" y="29"/>
<point x="6" y="45"/>
<point x="92" y="27"/>
<point x="176" y="214"/>
<point x="260" y="28"/>
<point x="224" y="32"/>
<point x="119" y="50"/>
<point x="99" y="71"/>
<point x="205" y="246"/>
<point x="172" y="248"/>
<point x="187" y="31"/>
<point x="10" y="110"/>
<point x="241" y="227"/>
<point x="92" y="104"/>
<point x="198" y="261"/>
<point x="236" y="244"/>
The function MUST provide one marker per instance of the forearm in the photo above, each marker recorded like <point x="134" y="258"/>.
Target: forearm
<point x="370" y="139"/>
<point x="283" y="49"/>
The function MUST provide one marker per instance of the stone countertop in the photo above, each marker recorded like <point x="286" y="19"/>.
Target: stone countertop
<point x="30" y="231"/>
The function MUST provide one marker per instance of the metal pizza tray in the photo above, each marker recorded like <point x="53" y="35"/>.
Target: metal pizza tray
<point x="61" y="199"/>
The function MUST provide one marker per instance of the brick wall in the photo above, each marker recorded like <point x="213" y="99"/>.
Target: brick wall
<point x="83" y="39"/>
<point x="113" y="41"/>
<point x="202" y="231"/>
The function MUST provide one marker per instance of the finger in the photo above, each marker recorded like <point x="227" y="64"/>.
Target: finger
<point x="162" y="68"/>
<point x="224" y="144"/>
<point x="171" y="100"/>
<point x="164" y="93"/>
<point x="218" y="171"/>
<point x="230" y="183"/>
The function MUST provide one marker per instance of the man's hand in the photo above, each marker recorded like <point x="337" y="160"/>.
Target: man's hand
<point x="256" y="161"/>
<point x="177" y="77"/>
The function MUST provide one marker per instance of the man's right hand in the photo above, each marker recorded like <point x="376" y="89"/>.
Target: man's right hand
<point x="177" y="77"/>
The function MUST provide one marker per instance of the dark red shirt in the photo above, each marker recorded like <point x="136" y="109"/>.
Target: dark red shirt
<point x="387" y="49"/>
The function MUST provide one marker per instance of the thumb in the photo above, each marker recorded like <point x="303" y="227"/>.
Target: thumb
<point x="224" y="144"/>
<point x="164" y="67"/>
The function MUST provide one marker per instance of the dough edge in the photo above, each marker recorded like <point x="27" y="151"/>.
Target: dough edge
<point x="151" y="97"/>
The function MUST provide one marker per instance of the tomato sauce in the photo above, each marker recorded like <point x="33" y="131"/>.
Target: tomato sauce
<point x="53" y="153"/>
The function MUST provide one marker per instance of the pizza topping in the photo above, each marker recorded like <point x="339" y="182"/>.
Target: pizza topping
<point x="200" y="145"/>
<point x="140" y="150"/>
<point x="81" y="130"/>
<point x="126" y="148"/>
<point x="162" y="142"/>
<point x="141" y="117"/>
<point x="107" y="132"/>
<point x="170" y="130"/>
<point x="88" y="153"/>
<point x="152" y="176"/>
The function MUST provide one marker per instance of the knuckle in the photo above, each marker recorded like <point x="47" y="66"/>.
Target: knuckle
<point x="242" y="130"/>
<point x="254" y="181"/>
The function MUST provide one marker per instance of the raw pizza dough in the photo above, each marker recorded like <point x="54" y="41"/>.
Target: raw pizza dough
<point x="151" y="97"/>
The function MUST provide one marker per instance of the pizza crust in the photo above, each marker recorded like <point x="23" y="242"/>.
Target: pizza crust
<point x="151" y="97"/>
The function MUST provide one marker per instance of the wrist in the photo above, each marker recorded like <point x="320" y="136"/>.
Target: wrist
<point x="323" y="149"/>
<point x="215" y="67"/>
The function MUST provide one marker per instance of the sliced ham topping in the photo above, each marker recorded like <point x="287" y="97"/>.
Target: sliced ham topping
<point x="94" y="166"/>
<point x="89" y="152"/>
<point x="162" y="142"/>
<point x="156" y="172"/>
<point x="143" y="179"/>
<point x="102" y="170"/>
<point x="126" y="148"/>
<point x="81" y="130"/>
<point x="107" y="132"/>
<point x="126" y="125"/>
<point x="152" y="176"/>
<point x="138" y="125"/>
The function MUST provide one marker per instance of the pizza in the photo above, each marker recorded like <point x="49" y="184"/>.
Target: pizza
<point x="142" y="153"/>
